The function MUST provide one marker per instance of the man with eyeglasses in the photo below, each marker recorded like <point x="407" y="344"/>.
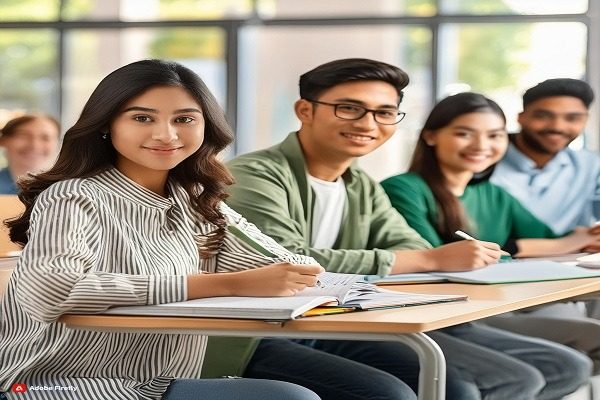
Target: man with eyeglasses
<point x="354" y="112"/>
<point x="309" y="195"/>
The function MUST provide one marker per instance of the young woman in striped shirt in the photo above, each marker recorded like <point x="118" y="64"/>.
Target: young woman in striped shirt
<point x="132" y="213"/>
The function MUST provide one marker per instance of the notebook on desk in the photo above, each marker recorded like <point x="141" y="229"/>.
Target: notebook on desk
<point x="343" y="292"/>
<point x="586" y="260"/>
<point x="506" y="272"/>
<point x="520" y="271"/>
<point x="404" y="279"/>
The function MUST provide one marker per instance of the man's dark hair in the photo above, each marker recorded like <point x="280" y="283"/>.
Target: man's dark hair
<point x="314" y="82"/>
<point x="560" y="87"/>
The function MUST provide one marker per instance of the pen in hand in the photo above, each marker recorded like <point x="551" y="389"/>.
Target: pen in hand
<point x="469" y="237"/>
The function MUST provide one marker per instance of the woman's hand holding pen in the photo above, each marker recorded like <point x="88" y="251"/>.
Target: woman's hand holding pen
<point x="282" y="279"/>
<point x="466" y="255"/>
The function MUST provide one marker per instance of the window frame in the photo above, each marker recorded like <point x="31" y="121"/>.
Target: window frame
<point x="231" y="28"/>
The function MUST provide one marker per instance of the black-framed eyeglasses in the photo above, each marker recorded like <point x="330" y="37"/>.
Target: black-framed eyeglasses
<point x="353" y="112"/>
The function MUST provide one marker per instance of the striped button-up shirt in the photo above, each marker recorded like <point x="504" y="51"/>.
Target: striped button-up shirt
<point x="101" y="242"/>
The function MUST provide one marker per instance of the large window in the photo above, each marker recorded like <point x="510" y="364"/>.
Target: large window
<point x="29" y="70"/>
<point x="268" y="90"/>
<point x="503" y="59"/>
<point x="479" y="7"/>
<point x="251" y="53"/>
<point x="344" y="8"/>
<point x="90" y="54"/>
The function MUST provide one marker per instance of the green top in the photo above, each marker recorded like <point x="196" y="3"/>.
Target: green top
<point x="494" y="215"/>
<point x="272" y="191"/>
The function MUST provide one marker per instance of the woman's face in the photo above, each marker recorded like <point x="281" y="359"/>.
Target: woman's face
<point x="470" y="143"/>
<point x="156" y="131"/>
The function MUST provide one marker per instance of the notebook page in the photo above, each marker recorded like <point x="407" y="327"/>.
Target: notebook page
<point x="520" y="271"/>
<point x="332" y="284"/>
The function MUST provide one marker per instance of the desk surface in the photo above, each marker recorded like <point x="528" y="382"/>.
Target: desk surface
<point x="400" y="324"/>
<point x="484" y="301"/>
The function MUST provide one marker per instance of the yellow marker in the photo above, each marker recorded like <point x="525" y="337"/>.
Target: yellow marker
<point x="328" y="310"/>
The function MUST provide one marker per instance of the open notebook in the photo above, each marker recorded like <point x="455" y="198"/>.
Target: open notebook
<point x="343" y="292"/>
<point x="505" y="272"/>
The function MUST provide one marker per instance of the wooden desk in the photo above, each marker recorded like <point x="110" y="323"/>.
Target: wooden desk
<point x="405" y="325"/>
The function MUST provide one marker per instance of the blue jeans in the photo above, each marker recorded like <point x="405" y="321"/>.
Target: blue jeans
<point x="349" y="370"/>
<point x="506" y="365"/>
<point x="235" y="389"/>
<point x="483" y="363"/>
<point x="561" y="323"/>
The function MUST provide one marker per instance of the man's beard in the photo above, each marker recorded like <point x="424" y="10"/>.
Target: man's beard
<point x="532" y="141"/>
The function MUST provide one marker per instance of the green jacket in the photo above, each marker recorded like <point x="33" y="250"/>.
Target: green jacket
<point x="272" y="191"/>
<point x="494" y="215"/>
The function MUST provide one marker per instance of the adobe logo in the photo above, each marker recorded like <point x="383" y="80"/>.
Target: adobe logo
<point x="19" y="388"/>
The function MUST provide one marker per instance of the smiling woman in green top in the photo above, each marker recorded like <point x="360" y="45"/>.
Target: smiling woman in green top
<point x="446" y="188"/>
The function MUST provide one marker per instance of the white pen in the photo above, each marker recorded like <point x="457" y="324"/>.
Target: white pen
<point x="464" y="235"/>
<point x="469" y="237"/>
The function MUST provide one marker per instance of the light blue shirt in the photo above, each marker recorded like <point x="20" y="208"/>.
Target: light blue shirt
<point x="564" y="193"/>
<point x="7" y="184"/>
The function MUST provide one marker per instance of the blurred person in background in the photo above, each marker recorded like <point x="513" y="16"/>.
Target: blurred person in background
<point x="30" y="144"/>
<point x="540" y="168"/>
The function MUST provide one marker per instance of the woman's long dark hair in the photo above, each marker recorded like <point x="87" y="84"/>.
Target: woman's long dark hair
<point x="451" y="214"/>
<point x="84" y="153"/>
